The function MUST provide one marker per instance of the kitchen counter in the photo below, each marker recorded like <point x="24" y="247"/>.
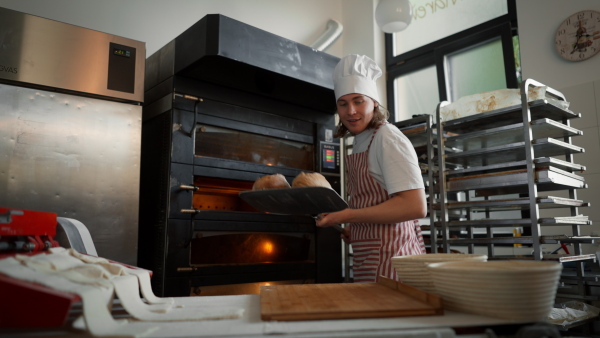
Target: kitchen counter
<point x="250" y="324"/>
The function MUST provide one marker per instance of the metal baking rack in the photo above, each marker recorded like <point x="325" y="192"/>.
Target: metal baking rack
<point x="421" y="132"/>
<point x="501" y="161"/>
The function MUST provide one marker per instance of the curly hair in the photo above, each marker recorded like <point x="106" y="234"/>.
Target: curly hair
<point x="380" y="115"/>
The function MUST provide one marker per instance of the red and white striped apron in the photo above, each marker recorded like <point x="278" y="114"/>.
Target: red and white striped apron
<point x="373" y="244"/>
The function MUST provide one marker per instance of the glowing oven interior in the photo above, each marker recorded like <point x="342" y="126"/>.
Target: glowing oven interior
<point x="211" y="249"/>
<point x="250" y="248"/>
<point x="218" y="194"/>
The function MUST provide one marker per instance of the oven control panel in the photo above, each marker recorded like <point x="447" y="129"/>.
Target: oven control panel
<point x="330" y="157"/>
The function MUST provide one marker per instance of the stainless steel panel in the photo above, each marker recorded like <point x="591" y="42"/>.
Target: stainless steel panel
<point x="75" y="156"/>
<point x="44" y="52"/>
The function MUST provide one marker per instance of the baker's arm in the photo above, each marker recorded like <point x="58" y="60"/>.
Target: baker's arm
<point x="403" y="206"/>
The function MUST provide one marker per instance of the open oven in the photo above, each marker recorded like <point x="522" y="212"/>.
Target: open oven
<point x="227" y="103"/>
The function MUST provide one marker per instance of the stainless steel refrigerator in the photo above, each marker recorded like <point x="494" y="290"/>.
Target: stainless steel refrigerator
<point x="70" y="126"/>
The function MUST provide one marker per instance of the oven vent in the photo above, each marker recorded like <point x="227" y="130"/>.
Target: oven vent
<point x="332" y="32"/>
<point x="226" y="52"/>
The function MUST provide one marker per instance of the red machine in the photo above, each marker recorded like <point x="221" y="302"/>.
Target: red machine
<point x="26" y="231"/>
<point x="31" y="305"/>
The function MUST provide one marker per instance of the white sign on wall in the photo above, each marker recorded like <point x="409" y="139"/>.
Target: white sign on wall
<point x="436" y="19"/>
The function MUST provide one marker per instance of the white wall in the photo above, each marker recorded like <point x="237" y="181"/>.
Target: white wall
<point x="578" y="81"/>
<point x="538" y="21"/>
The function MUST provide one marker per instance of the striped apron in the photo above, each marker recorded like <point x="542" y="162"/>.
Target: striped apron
<point x="374" y="245"/>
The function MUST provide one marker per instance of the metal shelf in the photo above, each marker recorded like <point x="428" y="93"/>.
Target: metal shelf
<point x="545" y="147"/>
<point x="544" y="202"/>
<point x="548" y="257"/>
<point x="519" y="222"/>
<point x="542" y="128"/>
<point x="515" y="181"/>
<point x="498" y="154"/>
<point x="506" y="116"/>
<point x="541" y="162"/>
<point x="527" y="240"/>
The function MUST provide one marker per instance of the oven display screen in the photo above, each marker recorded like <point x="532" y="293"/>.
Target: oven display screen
<point x="330" y="157"/>
<point x="121" y="52"/>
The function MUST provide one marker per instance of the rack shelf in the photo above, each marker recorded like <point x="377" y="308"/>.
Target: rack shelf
<point x="501" y="161"/>
<point x="544" y="202"/>
<point x="509" y="115"/>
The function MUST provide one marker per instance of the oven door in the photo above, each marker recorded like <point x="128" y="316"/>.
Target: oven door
<point x="218" y="150"/>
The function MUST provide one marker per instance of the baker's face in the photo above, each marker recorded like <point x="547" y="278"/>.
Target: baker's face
<point x="356" y="112"/>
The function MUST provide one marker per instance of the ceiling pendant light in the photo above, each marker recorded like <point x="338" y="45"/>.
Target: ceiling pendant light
<point x="393" y="16"/>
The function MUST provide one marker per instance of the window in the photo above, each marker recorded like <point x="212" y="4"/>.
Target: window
<point x="476" y="69"/>
<point x="409" y="98"/>
<point x="434" y="20"/>
<point x="477" y="59"/>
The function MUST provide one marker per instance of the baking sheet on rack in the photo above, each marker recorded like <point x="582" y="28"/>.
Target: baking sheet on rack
<point x="295" y="201"/>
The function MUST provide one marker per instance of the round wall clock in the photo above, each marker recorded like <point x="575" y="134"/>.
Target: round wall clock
<point x="578" y="37"/>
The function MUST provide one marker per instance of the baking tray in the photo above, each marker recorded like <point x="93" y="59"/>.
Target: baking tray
<point x="544" y="202"/>
<point x="542" y="128"/>
<point x="491" y="223"/>
<point x="295" y="201"/>
<point x="541" y="162"/>
<point x="516" y="181"/>
<point x="544" y="147"/>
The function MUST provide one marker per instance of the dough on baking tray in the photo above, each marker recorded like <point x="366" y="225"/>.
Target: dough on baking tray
<point x="310" y="180"/>
<point x="275" y="181"/>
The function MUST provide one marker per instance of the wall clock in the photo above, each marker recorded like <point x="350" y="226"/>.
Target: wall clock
<point x="578" y="36"/>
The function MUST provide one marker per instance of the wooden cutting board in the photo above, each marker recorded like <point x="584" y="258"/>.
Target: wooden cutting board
<point x="387" y="298"/>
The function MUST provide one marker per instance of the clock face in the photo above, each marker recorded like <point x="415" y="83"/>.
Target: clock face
<point x="578" y="37"/>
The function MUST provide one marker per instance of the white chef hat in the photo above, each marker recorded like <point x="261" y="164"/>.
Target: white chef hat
<point x="356" y="74"/>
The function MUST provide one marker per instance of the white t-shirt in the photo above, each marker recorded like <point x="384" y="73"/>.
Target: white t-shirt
<point x="392" y="158"/>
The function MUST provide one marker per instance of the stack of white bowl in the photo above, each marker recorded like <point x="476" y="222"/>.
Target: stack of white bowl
<point x="412" y="269"/>
<point x="520" y="290"/>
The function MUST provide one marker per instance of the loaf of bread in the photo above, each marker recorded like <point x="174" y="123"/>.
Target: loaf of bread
<point x="276" y="181"/>
<point x="310" y="180"/>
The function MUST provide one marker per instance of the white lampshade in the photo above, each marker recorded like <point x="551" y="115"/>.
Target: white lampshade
<point x="392" y="16"/>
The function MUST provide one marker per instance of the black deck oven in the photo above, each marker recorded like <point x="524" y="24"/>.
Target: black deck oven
<point x="226" y="103"/>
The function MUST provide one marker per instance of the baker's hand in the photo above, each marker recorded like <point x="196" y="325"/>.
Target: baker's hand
<point x="345" y="235"/>
<point x="324" y="220"/>
<point x="333" y="219"/>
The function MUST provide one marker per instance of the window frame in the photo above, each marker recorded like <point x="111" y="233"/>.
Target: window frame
<point x="504" y="26"/>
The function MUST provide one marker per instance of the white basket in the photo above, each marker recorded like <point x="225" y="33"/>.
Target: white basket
<point x="412" y="269"/>
<point x="520" y="290"/>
